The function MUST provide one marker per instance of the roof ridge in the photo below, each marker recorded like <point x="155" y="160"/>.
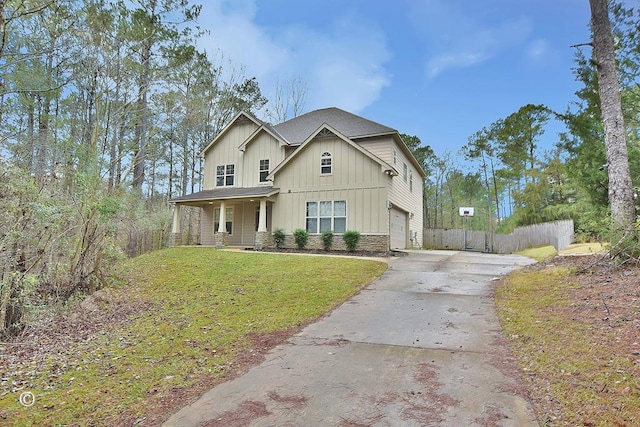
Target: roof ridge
<point x="297" y="129"/>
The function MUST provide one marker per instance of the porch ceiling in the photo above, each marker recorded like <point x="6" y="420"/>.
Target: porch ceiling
<point x="226" y="194"/>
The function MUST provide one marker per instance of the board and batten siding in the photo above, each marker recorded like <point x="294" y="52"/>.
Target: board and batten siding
<point x="244" y="224"/>
<point x="355" y="178"/>
<point x="224" y="152"/>
<point x="403" y="198"/>
<point x="206" y="226"/>
<point x="264" y="147"/>
<point x="243" y="232"/>
<point x="365" y="209"/>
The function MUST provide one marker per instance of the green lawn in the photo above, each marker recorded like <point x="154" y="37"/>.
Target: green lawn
<point x="546" y="252"/>
<point x="205" y="305"/>
<point x="539" y="254"/>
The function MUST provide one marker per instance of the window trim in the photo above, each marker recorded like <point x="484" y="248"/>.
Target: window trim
<point x="318" y="217"/>
<point x="228" y="175"/>
<point x="263" y="172"/>
<point x="411" y="181"/>
<point x="216" y="219"/>
<point x="404" y="171"/>
<point x="326" y="156"/>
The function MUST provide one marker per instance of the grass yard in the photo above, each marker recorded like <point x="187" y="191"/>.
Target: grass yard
<point x="187" y="319"/>
<point x="544" y="253"/>
<point x="539" y="254"/>
<point x="573" y="325"/>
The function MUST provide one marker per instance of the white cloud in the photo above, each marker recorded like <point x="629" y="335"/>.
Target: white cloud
<point x="460" y="34"/>
<point x="440" y="63"/>
<point x="476" y="46"/>
<point x="343" y="64"/>
<point x="238" y="39"/>
<point x="538" y="50"/>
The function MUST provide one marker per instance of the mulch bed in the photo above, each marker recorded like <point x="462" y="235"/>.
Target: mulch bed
<point x="374" y="254"/>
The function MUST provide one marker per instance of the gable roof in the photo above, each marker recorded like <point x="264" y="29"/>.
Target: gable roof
<point x="242" y="116"/>
<point x="325" y="127"/>
<point x="264" y="128"/>
<point x="297" y="130"/>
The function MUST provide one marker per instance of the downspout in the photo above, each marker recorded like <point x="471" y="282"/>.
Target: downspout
<point x="389" y="205"/>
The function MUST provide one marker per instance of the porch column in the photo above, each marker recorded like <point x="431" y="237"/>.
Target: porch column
<point x="220" y="235"/>
<point x="262" y="221"/>
<point x="222" y="225"/>
<point x="262" y="236"/>
<point x="175" y="228"/>
<point x="176" y="235"/>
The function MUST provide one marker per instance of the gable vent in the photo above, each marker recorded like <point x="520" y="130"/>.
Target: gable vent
<point x="241" y="119"/>
<point x="325" y="133"/>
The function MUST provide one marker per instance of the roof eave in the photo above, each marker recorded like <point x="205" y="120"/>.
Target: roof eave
<point x="255" y="134"/>
<point x="229" y="126"/>
<point x="230" y="197"/>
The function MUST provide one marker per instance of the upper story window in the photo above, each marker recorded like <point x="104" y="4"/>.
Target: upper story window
<point x="326" y="163"/>
<point x="395" y="157"/>
<point x="224" y="175"/>
<point x="411" y="181"/>
<point x="264" y="170"/>
<point x="404" y="171"/>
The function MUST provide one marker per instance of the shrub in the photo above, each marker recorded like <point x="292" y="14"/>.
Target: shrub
<point x="278" y="237"/>
<point x="327" y="240"/>
<point x="300" y="236"/>
<point x="351" y="239"/>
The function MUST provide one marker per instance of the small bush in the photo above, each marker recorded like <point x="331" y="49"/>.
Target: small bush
<point x="327" y="240"/>
<point x="278" y="237"/>
<point x="351" y="239"/>
<point x="300" y="236"/>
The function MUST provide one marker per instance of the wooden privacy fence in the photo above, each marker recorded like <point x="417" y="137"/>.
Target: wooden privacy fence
<point x="557" y="233"/>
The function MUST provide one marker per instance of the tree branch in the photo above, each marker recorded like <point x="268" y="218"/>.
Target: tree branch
<point x="582" y="44"/>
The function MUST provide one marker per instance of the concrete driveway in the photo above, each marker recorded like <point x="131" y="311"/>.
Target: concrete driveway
<point x="421" y="346"/>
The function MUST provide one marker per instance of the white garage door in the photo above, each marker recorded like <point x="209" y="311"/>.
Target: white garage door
<point x="398" y="229"/>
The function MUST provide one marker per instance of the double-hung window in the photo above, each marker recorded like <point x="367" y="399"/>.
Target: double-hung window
<point x="326" y="163"/>
<point x="326" y="216"/>
<point x="264" y="170"/>
<point x="228" y="218"/>
<point x="411" y="181"/>
<point x="224" y="175"/>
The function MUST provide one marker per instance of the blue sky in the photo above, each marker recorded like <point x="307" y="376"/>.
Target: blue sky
<point x="438" y="69"/>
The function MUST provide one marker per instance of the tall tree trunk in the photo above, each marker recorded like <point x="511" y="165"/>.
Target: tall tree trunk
<point x="141" y="127"/>
<point x="121" y="135"/>
<point x="495" y="190"/>
<point x="620" y="187"/>
<point x="31" y="133"/>
<point x="171" y="160"/>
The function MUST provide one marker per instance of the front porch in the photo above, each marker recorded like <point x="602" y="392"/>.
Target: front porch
<point x="229" y="217"/>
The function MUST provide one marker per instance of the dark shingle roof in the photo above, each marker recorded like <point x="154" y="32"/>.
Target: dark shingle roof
<point x="298" y="129"/>
<point x="227" y="193"/>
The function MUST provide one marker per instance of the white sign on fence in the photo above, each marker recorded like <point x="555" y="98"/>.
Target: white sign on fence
<point x="466" y="211"/>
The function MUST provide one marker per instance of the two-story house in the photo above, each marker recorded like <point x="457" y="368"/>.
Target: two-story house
<point x="325" y="170"/>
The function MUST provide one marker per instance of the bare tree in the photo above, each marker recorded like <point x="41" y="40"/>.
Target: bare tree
<point x="290" y="100"/>
<point x="620" y="187"/>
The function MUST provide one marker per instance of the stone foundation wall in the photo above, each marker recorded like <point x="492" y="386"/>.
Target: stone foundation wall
<point x="369" y="243"/>
<point x="220" y="239"/>
<point x="264" y="239"/>
<point x="175" y="239"/>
